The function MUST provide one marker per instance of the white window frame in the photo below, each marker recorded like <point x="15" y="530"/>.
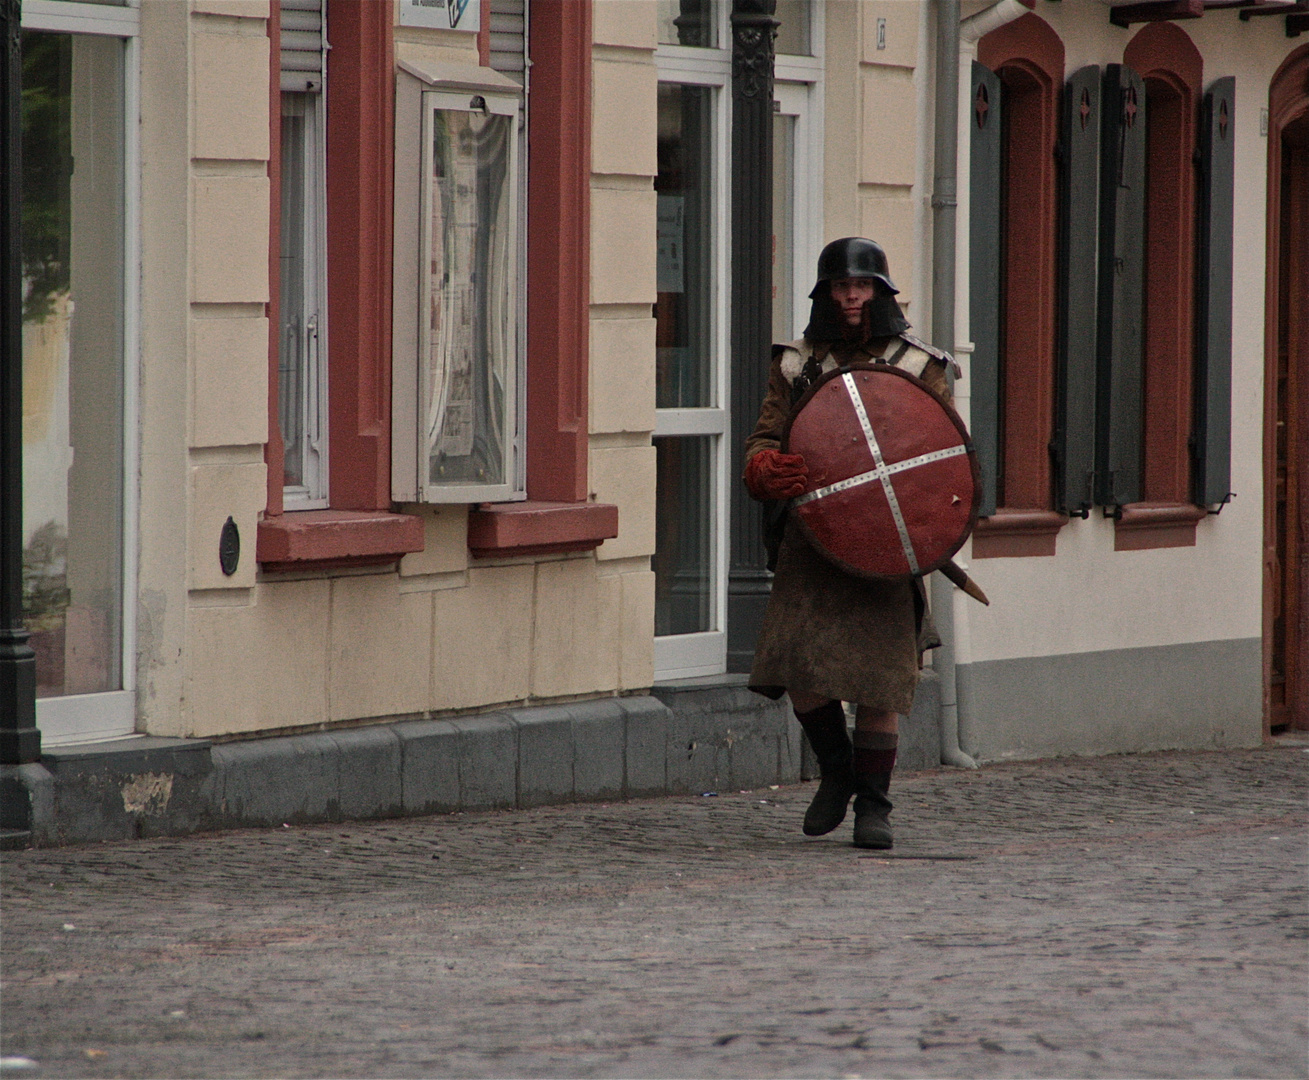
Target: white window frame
<point x="684" y="656"/>
<point x="313" y="494"/>
<point x="82" y="718"/>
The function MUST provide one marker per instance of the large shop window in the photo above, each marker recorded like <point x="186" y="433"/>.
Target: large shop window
<point x="79" y="347"/>
<point x="1015" y="96"/>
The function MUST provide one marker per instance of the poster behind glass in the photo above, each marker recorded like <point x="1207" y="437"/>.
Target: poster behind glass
<point x="469" y="335"/>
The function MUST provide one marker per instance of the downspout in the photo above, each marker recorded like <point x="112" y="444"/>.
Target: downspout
<point x="948" y="604"/>
<point x="944" y="215"/>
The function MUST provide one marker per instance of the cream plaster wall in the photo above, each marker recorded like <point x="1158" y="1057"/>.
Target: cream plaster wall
<point x="1089" y="597"/>
<point x="161" y="602"/>
<point x="873" y="158"/>
<point x="620" y="604"/>
<point x="442" y="632"/>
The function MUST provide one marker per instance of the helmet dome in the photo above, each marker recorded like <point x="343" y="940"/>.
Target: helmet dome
<point x="853" y="257"/>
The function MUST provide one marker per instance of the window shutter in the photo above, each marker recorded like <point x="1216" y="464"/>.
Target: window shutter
<point x="303" y="44"/>
<point x="1121" y="288"/>
<point x="985" y="274"/>
<point x="1074" y="439"/>
<point x="1211" y="436"/>
<point x="509" y="38"/>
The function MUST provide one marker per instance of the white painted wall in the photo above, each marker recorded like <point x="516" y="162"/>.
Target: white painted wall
<point x="1089" y="597"/>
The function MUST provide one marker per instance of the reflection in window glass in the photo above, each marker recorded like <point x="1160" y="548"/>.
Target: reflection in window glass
<point x="684" y="186"/>
<point x="470" y="331"/>
<point x="683" y="578"/>
<point x="793" y="17"/>
<point x="783" y="226"/>
<point x="688" y="22"/>
<point x="72" y="220"/>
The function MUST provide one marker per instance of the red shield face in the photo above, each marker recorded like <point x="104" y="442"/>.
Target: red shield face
<point x="893" y="481"/>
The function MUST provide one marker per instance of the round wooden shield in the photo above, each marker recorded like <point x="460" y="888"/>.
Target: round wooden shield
<point x="893" y="485"/>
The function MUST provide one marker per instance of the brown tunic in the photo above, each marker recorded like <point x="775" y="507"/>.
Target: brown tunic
<point x="825" y="631"/>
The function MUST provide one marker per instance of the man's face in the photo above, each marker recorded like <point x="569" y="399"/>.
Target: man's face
<point x="851" y="294"/>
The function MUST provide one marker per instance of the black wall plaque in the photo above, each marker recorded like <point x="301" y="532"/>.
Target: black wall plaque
<point x="229" y="547"/>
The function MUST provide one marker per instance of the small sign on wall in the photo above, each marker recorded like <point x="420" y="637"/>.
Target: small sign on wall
<point x="442" y="14"/>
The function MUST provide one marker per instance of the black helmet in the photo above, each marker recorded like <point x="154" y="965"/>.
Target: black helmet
<point x="853" y="257"/>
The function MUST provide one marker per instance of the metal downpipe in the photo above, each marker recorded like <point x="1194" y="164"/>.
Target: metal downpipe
<point x="944" y="215"/>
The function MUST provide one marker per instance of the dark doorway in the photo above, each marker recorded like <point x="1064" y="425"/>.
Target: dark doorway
<point x="1286" y="436"/>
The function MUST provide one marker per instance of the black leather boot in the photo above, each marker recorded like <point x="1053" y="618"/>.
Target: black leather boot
<point x="826" y="731"/>
<point x="873" y="761"/>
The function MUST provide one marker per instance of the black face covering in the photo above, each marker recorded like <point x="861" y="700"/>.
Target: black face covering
<point x="882" y="318"/>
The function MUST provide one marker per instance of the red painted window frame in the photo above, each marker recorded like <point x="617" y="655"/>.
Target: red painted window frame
<point x="1172" y="68"/>
<point x="1028" y="57"/>
<point x="360" y="527"/>
<point x="557" y="515"/>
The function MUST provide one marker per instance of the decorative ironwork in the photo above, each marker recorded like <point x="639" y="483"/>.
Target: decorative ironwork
<point x="753" y="31"/>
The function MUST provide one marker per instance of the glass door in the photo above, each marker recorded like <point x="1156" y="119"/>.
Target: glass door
<point x="691" y="326"/>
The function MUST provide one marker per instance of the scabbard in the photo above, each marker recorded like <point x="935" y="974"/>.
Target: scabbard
<point x="955" y="574"/>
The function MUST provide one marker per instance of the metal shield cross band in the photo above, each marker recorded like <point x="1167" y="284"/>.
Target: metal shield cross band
<point x="893" y="484"/>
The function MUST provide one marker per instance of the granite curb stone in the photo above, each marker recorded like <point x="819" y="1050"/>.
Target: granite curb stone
<point x="702" y="737"/>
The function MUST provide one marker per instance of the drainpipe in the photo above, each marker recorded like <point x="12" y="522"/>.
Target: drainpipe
<point x="977" y="26"/>
<point x="949" y="608"/>
<point x="944" y="205"/>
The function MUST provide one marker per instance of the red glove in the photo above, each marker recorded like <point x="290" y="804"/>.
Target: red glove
<point x="770" y="474"/>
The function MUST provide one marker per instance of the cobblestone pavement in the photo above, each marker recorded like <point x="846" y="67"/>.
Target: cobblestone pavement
<point x="1127" y="916"/>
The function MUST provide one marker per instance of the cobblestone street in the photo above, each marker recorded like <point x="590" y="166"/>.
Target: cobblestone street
<point x="1127" y="916"/>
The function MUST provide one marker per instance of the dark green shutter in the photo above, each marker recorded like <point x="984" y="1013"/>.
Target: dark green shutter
<point x="984" y="276"/>
<point x="1211" y="438"/>
<point x="1079" y="206"/>
<point x="1119" y="396"/>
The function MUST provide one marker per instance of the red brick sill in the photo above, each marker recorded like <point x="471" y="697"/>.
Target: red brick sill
<point x="1010" y="534"/>
<point x="502" y="530"/>
<point x="324" y="539"/>
<point x="1146" y="525"/>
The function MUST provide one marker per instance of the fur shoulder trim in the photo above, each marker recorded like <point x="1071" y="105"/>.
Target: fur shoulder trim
<point x="793" y="358"/>
<point x="932" y="353"/>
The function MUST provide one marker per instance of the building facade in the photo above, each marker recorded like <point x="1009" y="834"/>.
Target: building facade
<point x="390" y="360"/>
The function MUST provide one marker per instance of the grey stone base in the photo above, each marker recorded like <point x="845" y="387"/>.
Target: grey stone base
<point x="613" y="748"/>
<point x="731" y="732"/>
<point x="1193" y="696"/>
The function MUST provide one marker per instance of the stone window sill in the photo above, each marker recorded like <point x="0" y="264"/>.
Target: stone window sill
<point x="326" y="539"/>
<point x="1009" y="534"/>
<point x="503" y="530"/>
<point x="1146" y="525"/>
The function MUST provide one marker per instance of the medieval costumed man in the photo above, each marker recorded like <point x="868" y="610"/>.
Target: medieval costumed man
<point x="828" y="636"/>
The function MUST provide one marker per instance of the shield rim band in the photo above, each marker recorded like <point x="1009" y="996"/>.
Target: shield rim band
<point x="967" y="448"/>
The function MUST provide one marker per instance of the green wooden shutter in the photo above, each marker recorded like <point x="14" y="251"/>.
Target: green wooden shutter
<point x="1119" y="397"/>
<point x="984" y="277"/>
<point x="1211" y="438"/>
<point x="1079" y="206"/>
